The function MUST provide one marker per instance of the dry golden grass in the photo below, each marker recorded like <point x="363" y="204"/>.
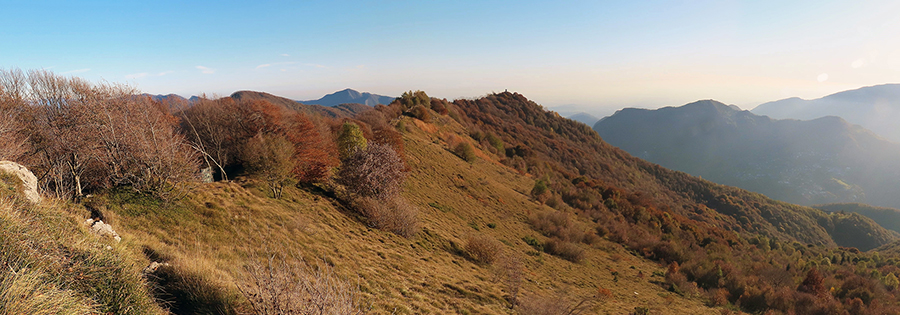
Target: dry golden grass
<point x="51" y="264"/>
<point x="226" y="225"/>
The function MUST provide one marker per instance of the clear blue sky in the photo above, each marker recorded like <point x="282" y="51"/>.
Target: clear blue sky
<point x="606" y="54"/>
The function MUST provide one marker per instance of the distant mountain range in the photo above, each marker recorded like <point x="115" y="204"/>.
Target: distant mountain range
<point x="346" y="96"/>
<point x="171" y="97"/>
<point x="584" y="118"/>
<point x="350" y="96"/>
<point x="876" y="108"/>
<point x="339" y="111"/>
<point x="819" y="161"/>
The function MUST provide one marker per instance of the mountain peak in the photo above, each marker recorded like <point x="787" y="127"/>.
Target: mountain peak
<point x="350" y="96"/>
<point x="711" y="104"/>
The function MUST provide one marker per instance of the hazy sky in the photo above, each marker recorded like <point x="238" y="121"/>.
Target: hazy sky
<point x="606" y="54"/>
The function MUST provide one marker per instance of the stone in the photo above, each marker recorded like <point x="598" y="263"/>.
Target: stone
<point x="102" y="229"/>
<point x="29" y="181"/>
<point x="153" y="267"/>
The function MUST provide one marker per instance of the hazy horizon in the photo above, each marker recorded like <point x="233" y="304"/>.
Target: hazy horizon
<point x="602" y="56"/>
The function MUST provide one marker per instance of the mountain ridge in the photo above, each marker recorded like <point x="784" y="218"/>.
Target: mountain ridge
<point x="824" y="160"/>
<point x="348" y="96"/>
<point x="876" y="108"/>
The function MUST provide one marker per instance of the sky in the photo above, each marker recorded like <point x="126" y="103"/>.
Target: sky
<point x="595" y="56"/>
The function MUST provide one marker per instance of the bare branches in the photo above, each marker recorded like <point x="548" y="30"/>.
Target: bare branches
<point x="87" y="136"/>
<point x="280" y="286"/>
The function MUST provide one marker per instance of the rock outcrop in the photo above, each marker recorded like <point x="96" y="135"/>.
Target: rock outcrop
<point x="29" y="181"/>
<point x="102" y="229"/>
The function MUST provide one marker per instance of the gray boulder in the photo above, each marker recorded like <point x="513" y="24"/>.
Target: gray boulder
<point x="102" y="229"/>
<point x="29" y="181"/>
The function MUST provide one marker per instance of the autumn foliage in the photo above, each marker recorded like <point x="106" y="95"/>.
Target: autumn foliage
<point x="736" y="248"/>
<point x="84" y="136"/>
<point x="80" y="137"/>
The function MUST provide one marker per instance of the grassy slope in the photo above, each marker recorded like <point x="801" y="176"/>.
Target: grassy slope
<point x="223" y="224"/>
<point x="51" y="264"/>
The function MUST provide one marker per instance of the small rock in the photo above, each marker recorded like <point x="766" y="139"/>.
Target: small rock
<point x="153" y="267"/>
<point x="103" y="229"/>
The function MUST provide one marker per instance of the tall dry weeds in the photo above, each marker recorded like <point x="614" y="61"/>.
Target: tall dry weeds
<point x="279" y="286"/>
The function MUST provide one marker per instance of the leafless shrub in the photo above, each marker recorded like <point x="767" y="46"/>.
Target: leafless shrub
<point x="377" y="171"/>
<point x="556" y="304"/>
<point x="394" y="214"/>
<point x="12" y="140"/>
<point x="90" y="136"/>
<point x="510" y="271"/>
<point x="483" y="249"/>
<point x="279" y="286"/>
<point x="567" y="250"/>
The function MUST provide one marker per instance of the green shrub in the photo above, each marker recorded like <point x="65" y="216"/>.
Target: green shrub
<point x="496" y="143"/>
<point x="533" y="242"/>
<point x="465" y="151"/>
<point x="350" y="140"/>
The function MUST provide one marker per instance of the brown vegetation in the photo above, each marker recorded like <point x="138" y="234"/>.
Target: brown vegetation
<point x="483" y="248"/>
<point x="279" y="286"/>
<point x="393" y="214"/>
<point x="739" y="249"/>
<point x="375" y="171"/>
<point x="86" y="136"/>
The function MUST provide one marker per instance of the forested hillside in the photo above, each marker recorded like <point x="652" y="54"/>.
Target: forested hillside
<point x="825" y="160"/>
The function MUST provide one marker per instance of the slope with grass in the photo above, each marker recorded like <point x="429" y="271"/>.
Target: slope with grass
<point x="602" y="229"/>
<point x="223" y="227"/>
<point x="52" y="264"/>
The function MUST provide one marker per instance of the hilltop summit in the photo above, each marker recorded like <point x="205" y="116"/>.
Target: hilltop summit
<point x="350" y="96"/>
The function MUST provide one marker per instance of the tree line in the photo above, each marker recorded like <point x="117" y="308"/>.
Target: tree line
<point x="80" y="137"/>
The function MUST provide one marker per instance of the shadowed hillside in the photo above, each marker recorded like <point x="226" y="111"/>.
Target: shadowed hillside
<point x="806" y="162"/>
<point x="889" y="218"/>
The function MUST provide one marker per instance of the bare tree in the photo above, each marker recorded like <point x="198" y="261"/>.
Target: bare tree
<point x="210" y="125"/>
<point x="90" y="136"/>
<point x="60" y="136"/>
